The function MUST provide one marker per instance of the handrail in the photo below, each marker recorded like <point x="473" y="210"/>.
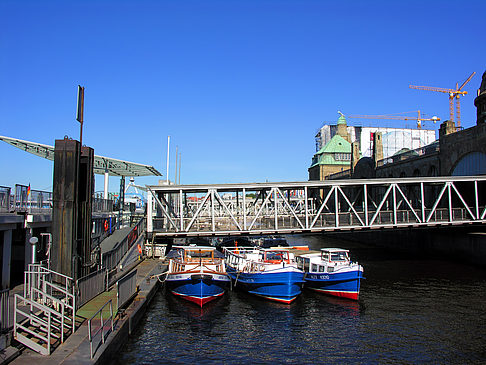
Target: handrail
<point x="5" y="199"/>
<point x="102" y="325"/>
<point x="41" y="278"/>
<point x="90" y="286"/>
<point x="126" y="288"/>
<point x="61" y="312"/>
<point x="111" y="258"/>
<point x="34" y="318"/>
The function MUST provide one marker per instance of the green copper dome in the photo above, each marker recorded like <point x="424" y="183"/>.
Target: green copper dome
<point x="341" y="120"/>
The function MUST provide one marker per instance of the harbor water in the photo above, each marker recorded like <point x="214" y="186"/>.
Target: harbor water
<point x="411" y="309"/>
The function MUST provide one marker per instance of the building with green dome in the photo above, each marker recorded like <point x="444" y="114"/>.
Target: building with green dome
<point x="335" y="156"/>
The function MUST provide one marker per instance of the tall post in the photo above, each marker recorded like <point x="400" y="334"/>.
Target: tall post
<point x="175" y="176"/>
<point x="168" y="146"/>
<point x="180" y="157"/>
<point x="121" y="201"/>
<point x="107" y="179"/>
<point x="149" y="213"/>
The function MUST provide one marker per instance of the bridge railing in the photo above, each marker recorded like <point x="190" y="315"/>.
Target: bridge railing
<point x="31" y="200"/>
<point x="39" y="201"/>
<point x="316" y="206"/>
<point x="5" y="199"/>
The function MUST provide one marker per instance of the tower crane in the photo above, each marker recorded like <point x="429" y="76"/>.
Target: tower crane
<point x="453" y="94"/>
<point x="418" y="119"/>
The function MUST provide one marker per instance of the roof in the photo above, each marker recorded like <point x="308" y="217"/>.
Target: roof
<point x="114" y="166"/>
<point x="341" y="120"/>
<point x="336" y="144"/>
<point x="334" y="250"/>
<point x="325" y="156"/>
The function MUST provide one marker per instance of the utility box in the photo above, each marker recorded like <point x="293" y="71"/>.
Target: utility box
<point x="73" y="185"/>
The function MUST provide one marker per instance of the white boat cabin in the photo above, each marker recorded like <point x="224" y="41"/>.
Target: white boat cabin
<point x="257" y="259"/>
<point x="328" y="260"/>
<point x="190" y="258"/>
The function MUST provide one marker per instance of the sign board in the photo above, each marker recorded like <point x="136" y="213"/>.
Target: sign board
<point x="80" y="108"/>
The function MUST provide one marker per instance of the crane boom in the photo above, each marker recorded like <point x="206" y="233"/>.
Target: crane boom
<point x="438" y="89"/>
<point x="453" y="93"/>
<point x="418" y="119"/>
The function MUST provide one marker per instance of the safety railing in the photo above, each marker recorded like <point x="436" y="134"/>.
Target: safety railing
<point x="39" y="279"/>
<point x="110" y="259"/>
<point x="102" y="228"/>
<point x="101" y="328"/>
<point x="4" y="310"/>
<point x="46" y="313"/>
<point x="28" y="200"/>
<point x="5" y="205"/>
<point x="126" y="289"/>
<point x="102" y="205"/>
<point x="32" y="201"/>
<point x="90" y="286"/>
<point x="40" y="324"/>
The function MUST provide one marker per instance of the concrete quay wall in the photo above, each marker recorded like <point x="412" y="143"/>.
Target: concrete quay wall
<point x="458" y="243"/>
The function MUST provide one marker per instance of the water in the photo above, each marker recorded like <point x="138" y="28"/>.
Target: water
<point x="411" y="310"/>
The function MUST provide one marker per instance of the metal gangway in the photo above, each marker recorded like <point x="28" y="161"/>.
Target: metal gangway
<point x="315" y="206"/>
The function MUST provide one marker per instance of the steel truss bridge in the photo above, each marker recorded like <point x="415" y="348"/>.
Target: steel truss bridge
<point x="315" y="206"/>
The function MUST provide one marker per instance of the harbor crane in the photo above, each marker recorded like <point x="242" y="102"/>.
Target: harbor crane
<point x="453" y="94"/>
<point x="418" y="119"/>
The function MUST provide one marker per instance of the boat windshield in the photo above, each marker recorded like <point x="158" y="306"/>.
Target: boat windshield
<point x="276" y="255"/>
<point x="199" y="254"/>
<point x="339" y="256"/>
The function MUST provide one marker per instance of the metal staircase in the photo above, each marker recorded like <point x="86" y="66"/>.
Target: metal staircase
<point x="46" y="314"/>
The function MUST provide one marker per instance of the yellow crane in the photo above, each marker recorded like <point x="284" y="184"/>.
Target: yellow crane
<point x="453" y="94"/>
<point x="418" y="119"/>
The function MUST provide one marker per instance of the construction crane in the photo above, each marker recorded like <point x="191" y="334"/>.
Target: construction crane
<point x="453" y="94"/>
<point x="418" y="119"/>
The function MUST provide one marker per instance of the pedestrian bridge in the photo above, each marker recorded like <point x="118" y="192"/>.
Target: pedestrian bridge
<point x="315" y="206"/>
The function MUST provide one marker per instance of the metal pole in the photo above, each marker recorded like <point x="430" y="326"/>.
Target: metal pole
<point x="422" y="193"/>
<point x="181" y="208"/>
<point x="177" y="155"/>
<point x="107" y="177"/>
<point x="365" y="192"/>
<point x="244" y="209"/>
<point x="180" y="157"/>
<point x="168" y="145"/>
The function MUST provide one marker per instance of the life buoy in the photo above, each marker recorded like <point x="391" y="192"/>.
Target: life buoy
<point x="106" y="225"/>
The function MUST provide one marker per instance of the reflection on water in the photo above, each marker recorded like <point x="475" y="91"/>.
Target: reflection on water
<point x="410" y="311"/>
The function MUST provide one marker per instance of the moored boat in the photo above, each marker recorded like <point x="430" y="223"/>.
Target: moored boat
<point x="331" y="271"/>
<point x="196" y="273"/>
<point x="269" y="273"/>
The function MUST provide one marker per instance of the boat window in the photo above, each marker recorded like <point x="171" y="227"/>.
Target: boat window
<point x="325" y="256"/>
<point x="314" y="267"/>
<point x="199" y="254"/>
<point x="277" y="255"/>
<point x="339" y="256"/>
<point x="322" y="268"/>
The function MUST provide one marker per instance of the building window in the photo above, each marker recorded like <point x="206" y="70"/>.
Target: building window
<point x="342" y="156"/>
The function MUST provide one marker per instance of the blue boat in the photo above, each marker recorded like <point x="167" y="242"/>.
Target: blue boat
<point x="197" y="274"/>
<point x="269" y="273"/>
<point x="331" y="272"/>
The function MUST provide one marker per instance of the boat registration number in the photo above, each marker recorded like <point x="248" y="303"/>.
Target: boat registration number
<point x="319" y="277"/>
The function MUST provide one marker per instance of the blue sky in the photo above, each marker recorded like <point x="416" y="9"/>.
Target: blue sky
<point x="240" y="86"/>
